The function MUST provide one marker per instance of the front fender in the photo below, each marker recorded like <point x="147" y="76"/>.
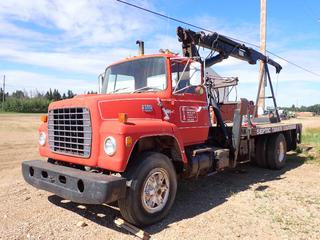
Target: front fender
<point x="136" y="129"/>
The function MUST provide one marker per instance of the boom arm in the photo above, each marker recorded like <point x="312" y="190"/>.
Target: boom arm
<point x="223" y="45"/>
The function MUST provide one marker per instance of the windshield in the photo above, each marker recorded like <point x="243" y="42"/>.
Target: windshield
<point x="141" y="75"/>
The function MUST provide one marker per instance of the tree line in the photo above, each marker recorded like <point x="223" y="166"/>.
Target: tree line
<point x="314" y="108"/>
<point x="32" y="102"/>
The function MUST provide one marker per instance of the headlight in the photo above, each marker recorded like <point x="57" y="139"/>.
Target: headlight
<point x="110" y="146"/>
<point x="42" y="138"/>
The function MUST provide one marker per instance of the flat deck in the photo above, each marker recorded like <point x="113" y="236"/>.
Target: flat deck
<point x="267" y="128"/>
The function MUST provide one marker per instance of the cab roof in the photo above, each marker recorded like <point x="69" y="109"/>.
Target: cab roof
<point x="165" y="55"/>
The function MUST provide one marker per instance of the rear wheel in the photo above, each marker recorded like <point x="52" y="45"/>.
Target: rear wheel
<point x="152" y="191"/>
<point x="261" y="151"/>
<point x="277" y="151"/>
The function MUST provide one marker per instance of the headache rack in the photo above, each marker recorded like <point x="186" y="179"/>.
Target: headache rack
<point x="70" y="131"/>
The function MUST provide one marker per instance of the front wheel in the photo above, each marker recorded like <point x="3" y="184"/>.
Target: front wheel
<point x="152" y="191"/>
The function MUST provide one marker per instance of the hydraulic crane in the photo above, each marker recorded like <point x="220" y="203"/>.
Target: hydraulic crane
<point x="225" y="47"/>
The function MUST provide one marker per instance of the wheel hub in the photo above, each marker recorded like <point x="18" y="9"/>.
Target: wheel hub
<point x="281" y="152"/>
<point x="155" y="191"/>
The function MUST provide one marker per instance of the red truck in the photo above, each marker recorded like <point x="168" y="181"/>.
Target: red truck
<point x="156" y="119"/>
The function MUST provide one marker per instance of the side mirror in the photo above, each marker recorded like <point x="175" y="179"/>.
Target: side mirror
<point x="100" y="83"/>
<point x="199" y="90"/>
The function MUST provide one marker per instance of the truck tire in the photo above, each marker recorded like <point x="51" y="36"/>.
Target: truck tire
<point x="261" y="151"/>
<point x="298" y="134"/>
<point x="277" y="150"/>
<point x="152" y="190"/>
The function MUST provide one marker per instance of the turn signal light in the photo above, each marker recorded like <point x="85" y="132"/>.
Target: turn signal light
<point x="44" y="118"/>
<point x="128" y="141"/>
<point x="123" y="117"/>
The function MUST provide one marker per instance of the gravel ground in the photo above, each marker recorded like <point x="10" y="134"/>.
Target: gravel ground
<point x="250" y="203"/>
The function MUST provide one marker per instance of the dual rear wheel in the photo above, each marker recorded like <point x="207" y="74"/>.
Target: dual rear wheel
<point x="271" y="151"/>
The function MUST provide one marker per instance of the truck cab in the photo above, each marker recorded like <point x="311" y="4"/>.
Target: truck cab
<point x="141" y="98"/>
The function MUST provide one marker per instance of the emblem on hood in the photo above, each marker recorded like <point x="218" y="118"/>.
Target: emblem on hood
<point x="147" y="108"/>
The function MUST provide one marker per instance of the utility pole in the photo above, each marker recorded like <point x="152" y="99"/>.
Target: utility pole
<point x="263" y="20"/>
<point x="3" y="91"/>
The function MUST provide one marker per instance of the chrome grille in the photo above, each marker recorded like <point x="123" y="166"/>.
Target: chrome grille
<point x="70" y="132"/>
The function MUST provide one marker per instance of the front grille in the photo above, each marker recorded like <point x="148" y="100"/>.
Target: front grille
<point x="70" y="132"/>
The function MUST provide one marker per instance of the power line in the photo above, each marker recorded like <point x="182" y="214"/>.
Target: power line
<point x="164" y="16"/>
<point x="210" y="31"/>
<point x="294" y="64"/>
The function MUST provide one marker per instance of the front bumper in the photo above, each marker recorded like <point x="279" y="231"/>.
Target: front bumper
<point x="74" y="184"/>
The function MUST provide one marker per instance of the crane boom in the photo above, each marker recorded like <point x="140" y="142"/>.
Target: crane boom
<point x="223" y="45"/>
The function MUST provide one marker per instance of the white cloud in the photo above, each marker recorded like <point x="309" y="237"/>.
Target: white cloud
<point x="76" y="37"/>
<point x="11" y="30"/>
<point x="162" y="41"/>
<point x="72" y="62"/>
<point x="81" y="21"/>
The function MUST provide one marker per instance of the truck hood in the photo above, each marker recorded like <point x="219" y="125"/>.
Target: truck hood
<point x="108" y="106"/>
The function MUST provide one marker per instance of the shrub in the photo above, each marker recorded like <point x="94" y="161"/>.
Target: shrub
<point x="27" y="105"/>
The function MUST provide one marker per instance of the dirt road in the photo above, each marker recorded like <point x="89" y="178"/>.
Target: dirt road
<point x="252" y="203"/>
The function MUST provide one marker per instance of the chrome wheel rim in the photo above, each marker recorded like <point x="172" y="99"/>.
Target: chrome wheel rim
<point x="155" y="190"/>
<point x="281" y="151"/>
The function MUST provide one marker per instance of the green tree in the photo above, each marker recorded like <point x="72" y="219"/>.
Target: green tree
<point x="70" y="94"/>
<point x="18" y="94"/>
<point x="56" y="95"/>
<point x="49" y="95"/>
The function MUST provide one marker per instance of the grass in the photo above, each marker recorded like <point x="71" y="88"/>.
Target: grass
<point x="310" y="137"/>
<point x="4" y="112"/>
<point x="19" y="113"/>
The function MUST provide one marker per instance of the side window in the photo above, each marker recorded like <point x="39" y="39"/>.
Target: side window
<point x="185" y="76"/>
<point x="111" y="82"/>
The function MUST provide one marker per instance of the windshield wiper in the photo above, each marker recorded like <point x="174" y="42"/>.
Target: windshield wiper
<point x="182" y="89"/>
<point x="119" y="89"/>
<point x="145" y="88"/>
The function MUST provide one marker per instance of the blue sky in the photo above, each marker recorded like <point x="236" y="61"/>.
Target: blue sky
<point x="66" y="44"/>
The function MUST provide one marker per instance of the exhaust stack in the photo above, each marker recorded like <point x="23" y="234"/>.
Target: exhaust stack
<point x="141" y="47"/>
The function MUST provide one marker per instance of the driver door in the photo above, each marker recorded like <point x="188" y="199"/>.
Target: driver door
<point x="190" y="102"/>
